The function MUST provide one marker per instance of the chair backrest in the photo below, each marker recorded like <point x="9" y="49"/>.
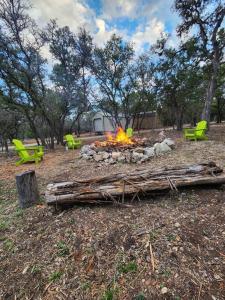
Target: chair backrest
<point x="69" y="138"/>
<point x="129" y="132"/>
<point x="201" y="128"/>
<point x="19" y="146"/>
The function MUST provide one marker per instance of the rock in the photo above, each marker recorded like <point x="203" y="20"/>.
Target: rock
<point x="177" y="224"/>
<point x="144" y="158"/>
<point x="98" y="157"/>
<point x="115" y="155"/>
<point x="85" y="156"/>
<point x="164" y="147"/>
<point x="164" y="290"/>
<point x="85" y="149"/>
<point x="169" y="142"/>
<point x="137" y="156"/>
<point x="157" y="148"/>
<point x="139" y="150"/>
<point x="105" y="155"/>
<point x="150" y="152"/>
<point x="111" y="161"/>
<point x="121" y="159"/>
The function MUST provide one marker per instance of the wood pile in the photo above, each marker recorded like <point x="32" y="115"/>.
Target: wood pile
<point x="141" y="183"/>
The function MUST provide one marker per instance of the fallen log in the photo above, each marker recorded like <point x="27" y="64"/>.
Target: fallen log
<point x="117" y="187"/>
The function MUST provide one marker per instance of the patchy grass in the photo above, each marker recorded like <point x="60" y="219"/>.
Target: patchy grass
<point x="95" y="252"/>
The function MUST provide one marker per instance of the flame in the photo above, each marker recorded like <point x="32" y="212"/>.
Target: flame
<point x="120" y="138"/>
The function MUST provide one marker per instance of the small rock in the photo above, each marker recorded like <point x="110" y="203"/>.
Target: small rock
<point x="85" y="156"/>
<point x="136" y="156"/>
<point x="115" y="155"/>
<point x="164" y="290"/>
<point x="169" y="142"/>
<point x="111" y="161"/>
<point x="217" y="277"/>
<point x="139" y="150"/>
<point x="177" y="224"/>
<point x="144" y="158"/>
<point x="98" y="157"/>
<point x="121" y="159"/>
<point x="150" y="152"/>
<point x="105" y="155"/>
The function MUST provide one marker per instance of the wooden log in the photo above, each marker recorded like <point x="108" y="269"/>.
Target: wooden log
<point x="27" y="189"/>
<point x="117" y="187"/>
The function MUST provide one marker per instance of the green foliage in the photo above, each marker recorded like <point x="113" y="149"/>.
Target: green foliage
<point x="55" y="276"/>
<point x="110" y="294"/>
<point x="63" y="249"/>
<point x="129" y="267"/>
<point x="4" y="225"/>
<point x="35" y="269"/>
<point x="8" y="245"/>
<point x="140" y="296"/>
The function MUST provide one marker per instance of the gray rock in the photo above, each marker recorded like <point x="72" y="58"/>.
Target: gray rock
<point x="144" y="158"/>
<point x="137" y="156"/>
<point x="169" y="142"/>
<point x="85" y="149"/>
<point x="150" y="152"/>
<point x="105" y="155"/>
<point x="85" y="156"/>
<point x="121" y="159"/>
<point x="115" y="155"/>
<point x="111" y="161"/>
<point x="139" y="150"/>
<point x="157" y="148"/>
<point x="98" y="157"/>
<point x="164" y="147"/>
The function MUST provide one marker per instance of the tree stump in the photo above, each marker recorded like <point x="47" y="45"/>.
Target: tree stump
<point x="27" y="189"/>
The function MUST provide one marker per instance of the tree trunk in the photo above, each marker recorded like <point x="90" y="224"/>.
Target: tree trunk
<point x="141" y="182"/>
<point x="210" y="91"/>
<point x="27" y="189"/>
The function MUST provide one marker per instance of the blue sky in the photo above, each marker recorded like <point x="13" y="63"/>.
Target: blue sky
<point x="139" y="21"/>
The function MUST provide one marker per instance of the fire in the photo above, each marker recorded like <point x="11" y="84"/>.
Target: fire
<point x="120" y="138"/>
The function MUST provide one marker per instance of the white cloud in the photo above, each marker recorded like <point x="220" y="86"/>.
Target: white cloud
<point x="73" y="13"/>
<point x="151" y="32"/>
<point x="120" y="8"/>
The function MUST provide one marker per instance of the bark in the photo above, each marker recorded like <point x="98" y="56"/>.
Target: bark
<point x="27" y="189"/>
<point x="141" y="182"/>
<point x="211" y="89"/>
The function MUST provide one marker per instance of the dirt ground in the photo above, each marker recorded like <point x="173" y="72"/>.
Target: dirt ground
<point x="169" y="247"/>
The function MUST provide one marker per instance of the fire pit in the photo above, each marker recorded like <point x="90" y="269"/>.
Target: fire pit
<point x="123" y="149"/>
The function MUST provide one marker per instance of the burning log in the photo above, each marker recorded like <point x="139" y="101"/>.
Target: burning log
<point x="142" y="182"/>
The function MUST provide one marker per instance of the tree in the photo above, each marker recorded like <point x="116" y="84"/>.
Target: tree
<point x="207" y="17"/>
<point x="70" y="76"/>
<point x="22" y="69"/>
<point x="179" y="87"/>
<point x="110" y="67"/>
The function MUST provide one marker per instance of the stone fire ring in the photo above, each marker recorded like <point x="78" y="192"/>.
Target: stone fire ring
<point x="138" y="155"/>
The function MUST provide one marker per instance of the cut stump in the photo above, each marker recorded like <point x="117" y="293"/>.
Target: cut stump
<point x="141" y="182"/>
<point x="27" y="189"/>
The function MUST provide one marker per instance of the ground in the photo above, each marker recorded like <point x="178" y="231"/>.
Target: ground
<point x="171" y="247"/>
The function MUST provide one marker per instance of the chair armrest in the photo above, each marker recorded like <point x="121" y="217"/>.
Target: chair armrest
<point x="189" y="130"/>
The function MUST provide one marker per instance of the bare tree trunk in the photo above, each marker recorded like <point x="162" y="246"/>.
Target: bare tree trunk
<point x="210" y="91"/>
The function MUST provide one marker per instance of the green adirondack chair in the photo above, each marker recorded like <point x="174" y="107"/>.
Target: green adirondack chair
<point x="28" y="154"/>
<point x="129" y="132"/>
<point x="71" y="142"/>
<point x="197" y="133"/>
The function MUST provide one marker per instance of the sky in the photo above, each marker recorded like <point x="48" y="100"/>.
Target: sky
<point x="138" y="21"/>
